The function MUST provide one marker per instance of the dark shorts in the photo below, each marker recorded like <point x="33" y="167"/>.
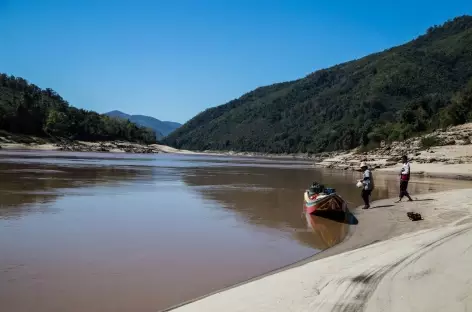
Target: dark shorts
<point x="365" y="194"/>
<point x="403" y="186"/>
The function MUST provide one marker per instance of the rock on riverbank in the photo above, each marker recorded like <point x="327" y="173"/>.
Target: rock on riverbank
<point x="117" y="147"/>
<point x="446" y="147"/>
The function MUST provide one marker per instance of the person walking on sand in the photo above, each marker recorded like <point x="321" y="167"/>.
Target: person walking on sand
<point x="368" y="182"/>
<point x="404" y="178"/>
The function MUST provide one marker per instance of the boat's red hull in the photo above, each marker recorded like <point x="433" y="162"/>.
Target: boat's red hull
<point x="329" y="203"/>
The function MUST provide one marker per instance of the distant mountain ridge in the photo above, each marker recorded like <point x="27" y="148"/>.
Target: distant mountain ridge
<point x="162" y="128"/>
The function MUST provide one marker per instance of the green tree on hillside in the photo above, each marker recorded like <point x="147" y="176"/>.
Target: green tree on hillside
<point x="392" y="95"/>
<point x="27" y="109"/>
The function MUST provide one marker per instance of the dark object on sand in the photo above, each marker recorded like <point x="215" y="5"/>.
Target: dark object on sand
<point x="414" y="216"/>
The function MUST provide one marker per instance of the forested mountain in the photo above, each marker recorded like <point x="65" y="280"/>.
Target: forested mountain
<point x="25" y="108"/>
<point x="398" y="93"/>
<point x="161" y="128"/>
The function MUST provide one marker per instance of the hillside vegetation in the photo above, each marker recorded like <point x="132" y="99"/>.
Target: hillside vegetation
<point x="27" y="109"/>
<point x="393" y="95"/>
<point x="161" y="128"/>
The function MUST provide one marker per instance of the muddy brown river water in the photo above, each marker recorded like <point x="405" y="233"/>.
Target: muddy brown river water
<point x="118" y="232"/>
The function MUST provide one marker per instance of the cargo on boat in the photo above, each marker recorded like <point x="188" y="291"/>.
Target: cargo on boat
<point x="318" y="199"/>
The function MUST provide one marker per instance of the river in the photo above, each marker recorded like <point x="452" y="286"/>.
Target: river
<point x="121" y="232"/>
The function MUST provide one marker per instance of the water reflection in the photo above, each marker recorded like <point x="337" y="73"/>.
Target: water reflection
<point x="161" y="160"/>
<point x="29" y="187"/>
<point x="329" y="228"/>
<point x="143" y="233"/>
<point x="132" y="238"/>
<point x="327" y="232"/>
<point x="273" y="198"/>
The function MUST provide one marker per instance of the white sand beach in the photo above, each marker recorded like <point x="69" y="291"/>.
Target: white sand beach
<point x="389" y="263"/>
<point x="438" y="170"/>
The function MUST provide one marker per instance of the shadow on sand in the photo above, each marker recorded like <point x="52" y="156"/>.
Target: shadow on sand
<point x="341" y="217"/>
<point x="415" y="200"/>
<point x="382" y="206"/>
<point x="422" y="200"/>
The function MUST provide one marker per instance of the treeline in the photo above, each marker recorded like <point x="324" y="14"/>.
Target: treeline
<point x="398" y="93"/>
<point x="27" y="109"/>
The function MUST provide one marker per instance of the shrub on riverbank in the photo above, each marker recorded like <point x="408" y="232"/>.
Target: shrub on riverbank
<point x="429" y="141"/>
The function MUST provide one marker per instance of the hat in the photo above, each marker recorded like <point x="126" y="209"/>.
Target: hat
<point x="363" y="164"/>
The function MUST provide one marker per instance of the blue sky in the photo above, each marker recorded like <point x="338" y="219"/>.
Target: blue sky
<point x="172" y="59"/>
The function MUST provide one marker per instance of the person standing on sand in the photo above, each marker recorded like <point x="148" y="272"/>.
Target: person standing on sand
<point x="404" y="178"/>
<point x="368" y="182"/>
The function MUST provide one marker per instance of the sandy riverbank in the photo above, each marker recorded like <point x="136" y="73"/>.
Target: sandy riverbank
<point x="83" y="146"/>
<point x="125" y="147"/>
<point x="388" y="263"/>
<point x="449" y="156"/>
<point x="451" y="146"/>
<point x="440" y="170"/>
<point x="452" y="162"/>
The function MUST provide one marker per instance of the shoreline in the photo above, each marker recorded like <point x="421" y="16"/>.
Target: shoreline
<point x="320" y="255"/>
<point x="455" y="169"/>
<point x="368" y="234"/>
<point x="132" y="147"/>
<point x="447" y="155"/>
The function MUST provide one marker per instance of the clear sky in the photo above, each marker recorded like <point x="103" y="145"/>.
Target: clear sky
<point x="172" y="59"/>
